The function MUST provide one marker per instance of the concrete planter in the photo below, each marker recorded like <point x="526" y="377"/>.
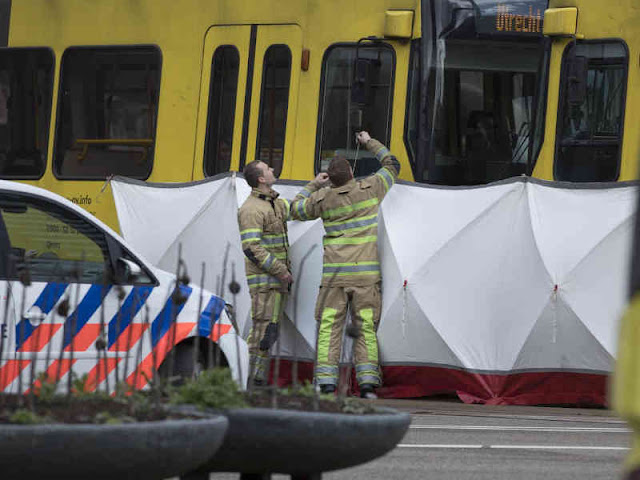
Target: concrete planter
<point x="144" y="450"/>
<point x="303" y="444"/>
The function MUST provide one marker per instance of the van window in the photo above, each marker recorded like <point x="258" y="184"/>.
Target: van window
<point x="51" y="243"/>
<point x="222" y="109"/>
<point x="108" y="112"/>
<point x="26" y="83"/>
<point x="342" y="113"/>
<point x="588" y="147"/>
<point x="274" y="104"/>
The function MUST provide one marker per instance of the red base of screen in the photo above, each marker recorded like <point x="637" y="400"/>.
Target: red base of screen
<point x="532" y="388"/>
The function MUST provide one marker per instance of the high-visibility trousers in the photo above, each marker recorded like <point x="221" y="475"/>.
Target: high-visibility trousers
<point x="267" y="307"/>
<point x="331" y="312"/>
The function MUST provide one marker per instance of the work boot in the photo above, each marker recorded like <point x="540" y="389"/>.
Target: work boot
<point x="327" y="389"/>
<point x="368" y="391"/>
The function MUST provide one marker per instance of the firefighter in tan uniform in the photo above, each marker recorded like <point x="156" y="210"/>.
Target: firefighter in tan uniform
<point x="351" y="270"/>
<point x="263" y="230"/>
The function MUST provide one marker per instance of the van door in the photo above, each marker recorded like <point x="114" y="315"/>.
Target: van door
<point x="7" y="333"/>
<point x="248" y="99"/>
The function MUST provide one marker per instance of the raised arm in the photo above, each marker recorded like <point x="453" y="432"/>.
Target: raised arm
<point x="306" y="205"/>
<point x="388" y="174"/>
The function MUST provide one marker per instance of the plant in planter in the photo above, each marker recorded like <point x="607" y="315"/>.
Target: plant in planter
<point x="81" y="438"/>
<point x="308" y="434"/>
<point x="296" y="431"/>
<point x="71" y="430"/>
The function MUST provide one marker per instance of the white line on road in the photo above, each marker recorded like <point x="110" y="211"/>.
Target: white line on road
<point x="512" y="447"/>
<point x="518" y="428"/>
<point x="409" y="445"/>
<point x="585" y="419"/>
<point x="555" y="447"/>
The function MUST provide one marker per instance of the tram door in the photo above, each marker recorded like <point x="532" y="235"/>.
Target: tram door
<point x="248" y="98"/>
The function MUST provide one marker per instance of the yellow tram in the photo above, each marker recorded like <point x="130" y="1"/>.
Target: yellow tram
<point x="170" y="91"/>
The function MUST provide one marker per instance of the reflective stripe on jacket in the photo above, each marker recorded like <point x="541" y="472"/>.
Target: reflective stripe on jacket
<point x="350" y="217"/>
<point x="263" y="231"/>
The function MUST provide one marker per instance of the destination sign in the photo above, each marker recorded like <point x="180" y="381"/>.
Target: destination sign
<point x="515" y="17"/>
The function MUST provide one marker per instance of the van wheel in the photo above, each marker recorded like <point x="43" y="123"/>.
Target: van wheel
<point x="184" y="367"/>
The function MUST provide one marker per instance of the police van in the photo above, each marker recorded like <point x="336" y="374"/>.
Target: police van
<point x="77" y="301"/>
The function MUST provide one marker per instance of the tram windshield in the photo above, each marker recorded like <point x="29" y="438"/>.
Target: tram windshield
<point x="486" y="100"/>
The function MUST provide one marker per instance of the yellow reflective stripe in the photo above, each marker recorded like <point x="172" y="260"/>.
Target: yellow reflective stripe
<point x="359" y="219"/>
<point x="366" y="367"/>
<point x="349" y="264"/>
<point x="299" y="209"/>
<point x="248" y="235"/>
<point x="250" y="230"/>
<point x="251" y="240"/>
<point x="324" y="333"/>
<point x="280" y="255"/>
<point x="336" y="212"/>
<point x="381" y="153"/>
<point x="346" y="274"/>
<point x="275" y="315"/>
<point x="271" y="250"/>
<point x="386" y="177"/>
<point x="352" y="230"/>
<point x="369" y="334"/>
<point x="350" y="240"/>
<point x="274" y="239"/>
<point x="268" y="262"/>
<point x="259" y="280"/>
<point x="329" y="269"/>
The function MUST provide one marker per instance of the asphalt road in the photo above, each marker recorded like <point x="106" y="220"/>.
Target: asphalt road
<point x="448" y="440"/>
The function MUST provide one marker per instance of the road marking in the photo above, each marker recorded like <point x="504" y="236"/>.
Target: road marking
<point x="518" y="428"/>
<point x="409" y="445"/>
<point x="512" y="447"/>
<point x="581" y="419"/>
<point x="555" y="447"/>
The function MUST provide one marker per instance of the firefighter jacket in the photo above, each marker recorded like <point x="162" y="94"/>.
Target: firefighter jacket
<point x="350" y="217"/>
<point x="263" y="230"/>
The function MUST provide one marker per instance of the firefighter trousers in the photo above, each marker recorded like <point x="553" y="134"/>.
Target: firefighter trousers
<point x="331" y="312"/>
<point x="267" y="307"/>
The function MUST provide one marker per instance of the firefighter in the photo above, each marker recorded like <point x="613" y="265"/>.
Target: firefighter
<point x="263" y="231"/>
<point x="351" y="270"/>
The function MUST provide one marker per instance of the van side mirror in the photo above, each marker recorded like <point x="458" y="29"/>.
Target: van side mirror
<point x="577" y="69"/>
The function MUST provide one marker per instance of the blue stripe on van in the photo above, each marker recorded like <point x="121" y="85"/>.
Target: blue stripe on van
<point x="210" y="316"/>
<point x="83" y="312"/>
<point x="49" y="296"/>
<point x="129" y="309"/>
<point x="167" y="315"/>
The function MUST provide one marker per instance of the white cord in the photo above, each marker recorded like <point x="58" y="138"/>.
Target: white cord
<point x="355" y="161"/>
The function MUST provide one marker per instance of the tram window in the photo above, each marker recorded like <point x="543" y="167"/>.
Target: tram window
<point x="26" y="83"/>
<point x="274" y="103"/>
<point x="108" y="111"/>
<point x="340" y="117"/>
<point x="222" y="108"/>
<point x="588" y="147"/>
<point x="485" y="128"/>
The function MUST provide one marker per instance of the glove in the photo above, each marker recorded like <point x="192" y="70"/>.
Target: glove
<point x="270" y="337"/>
